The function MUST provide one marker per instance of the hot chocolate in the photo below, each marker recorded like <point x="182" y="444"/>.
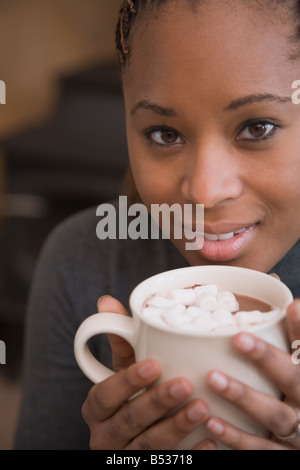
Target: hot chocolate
<point x="206" y="308"/>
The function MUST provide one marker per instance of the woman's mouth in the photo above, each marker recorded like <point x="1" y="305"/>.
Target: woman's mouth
<point x="223" y="236"/>
<point x="222" y="247"/>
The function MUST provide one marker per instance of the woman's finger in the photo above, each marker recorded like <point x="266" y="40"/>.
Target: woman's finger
<point x="122" y="352"/>
<point x="106" y="397"/>
<point x="293" y="321"/>
<point x="167" y="433"/>
<point x="208" y="444"/>
<point x="138" y="422"/>
<point x="273" y="414"/>
<point x="275" y="275"/>
<point x="274" y="363"/>
<point x="237" y="439"/>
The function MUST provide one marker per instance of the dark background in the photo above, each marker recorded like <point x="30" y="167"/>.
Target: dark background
<point x="62" y="146"/>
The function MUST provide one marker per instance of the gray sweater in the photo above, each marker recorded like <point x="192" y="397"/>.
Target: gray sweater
<point x="74" y="270"/>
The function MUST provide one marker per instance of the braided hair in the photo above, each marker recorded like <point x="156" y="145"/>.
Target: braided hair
<point x="130" y="9"/>
<point x="128" y="12"/>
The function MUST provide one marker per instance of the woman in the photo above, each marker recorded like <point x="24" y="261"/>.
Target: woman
<point x="210" y="120"/>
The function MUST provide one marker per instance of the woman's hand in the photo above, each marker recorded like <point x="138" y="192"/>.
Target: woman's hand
<point x="118" y="421"/>
<point x="279" y="417"/>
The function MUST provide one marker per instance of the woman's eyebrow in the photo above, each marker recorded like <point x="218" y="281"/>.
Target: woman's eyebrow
<point x="256" y="99"/>
<point x="145" y="104"/>
<point x="168" y="112"/>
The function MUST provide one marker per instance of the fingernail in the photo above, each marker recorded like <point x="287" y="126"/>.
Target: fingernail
<point x="215" y="427"/>
<point x="180" y="390"/>
<point x="209" y="446"/>
<point x="196" y="412"/>
<point x="218" y="380"/>
<point x="101" y="298"/>
<point x="245" y="342"/>
<point x="147" y="370"/>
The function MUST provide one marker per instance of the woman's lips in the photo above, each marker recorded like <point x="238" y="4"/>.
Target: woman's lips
<point x="226" y="246"/>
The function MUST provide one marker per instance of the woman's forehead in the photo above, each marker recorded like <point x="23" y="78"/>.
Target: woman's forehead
<point x="180" y="48"/>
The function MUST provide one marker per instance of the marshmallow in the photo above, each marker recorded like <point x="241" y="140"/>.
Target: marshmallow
<point x="228" y="301"/>
<point x="211" y="288"/>
<point x="183" y="296"/>
<point x="195" y="312"/>
<point x="175" y="316"/>
<point x="176" y="320"/>
<point x="201" y="308"/>
<point x="150" y="312"/>
<point x="177" y="309"/>
<point x="160" y="301"/>
<point x="223" y="317"/>
<point x="157" y="320"/>
<point x="207" y="301"/>
<point x="248" y="318"/>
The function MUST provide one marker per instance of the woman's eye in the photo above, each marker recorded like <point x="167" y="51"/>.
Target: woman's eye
<point x="164" y="137"/>
<point x="257" y="131"/>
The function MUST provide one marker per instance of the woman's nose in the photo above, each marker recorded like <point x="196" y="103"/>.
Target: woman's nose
<point x="212" y="175"/>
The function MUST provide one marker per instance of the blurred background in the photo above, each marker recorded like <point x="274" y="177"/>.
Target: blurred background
<point x="62" y="146"/>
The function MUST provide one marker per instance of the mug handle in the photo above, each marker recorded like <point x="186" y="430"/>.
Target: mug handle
<point x="96" y="324"/>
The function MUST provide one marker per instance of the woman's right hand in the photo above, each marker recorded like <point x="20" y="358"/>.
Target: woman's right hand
<point x="146" y="422"/>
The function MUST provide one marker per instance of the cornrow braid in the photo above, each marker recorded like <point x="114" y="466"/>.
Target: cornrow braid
<point x="127" y="12"/>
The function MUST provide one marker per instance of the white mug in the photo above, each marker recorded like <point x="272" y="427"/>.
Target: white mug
<point x="193" y="354"/>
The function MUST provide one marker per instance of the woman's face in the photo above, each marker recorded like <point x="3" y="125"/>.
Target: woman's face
<point x="210" y="121"/>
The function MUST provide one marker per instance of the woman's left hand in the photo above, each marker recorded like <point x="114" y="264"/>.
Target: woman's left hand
<point x="279" y="417"/>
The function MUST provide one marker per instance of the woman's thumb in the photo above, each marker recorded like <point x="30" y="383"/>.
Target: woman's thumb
<point x="122" y="352"/>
